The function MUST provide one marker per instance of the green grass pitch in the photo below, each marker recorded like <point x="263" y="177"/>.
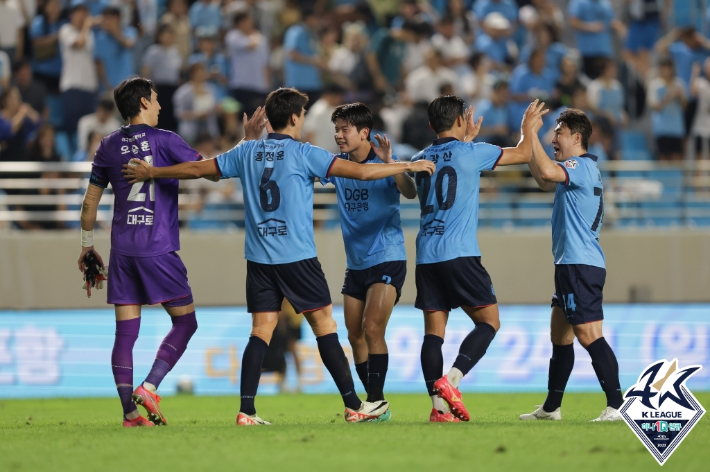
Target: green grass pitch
<point x="309" y="434"/>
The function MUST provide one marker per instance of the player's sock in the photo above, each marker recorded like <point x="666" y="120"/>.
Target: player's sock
<point x="252" y="361"/>
<point x="432" y="361"/>
<point x="122" y="361"/>
<point x="607" y="369"/>
<point x="361" y="370"/>
<point x="376" y="373"/>
<point x="454" y="376"/>
<point x="172" y="347"/>
<point x="439" y="404"/>
<point x="561" y="364"/>
<point x="473" y="348"/>
<point x="333" y="356"/>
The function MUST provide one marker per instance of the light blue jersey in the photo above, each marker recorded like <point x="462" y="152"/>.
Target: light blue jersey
<point x="578" y="212"/>
<point x="449" y="198"/>
<point x="369" y="218"/>
<point x="277" y="175"/>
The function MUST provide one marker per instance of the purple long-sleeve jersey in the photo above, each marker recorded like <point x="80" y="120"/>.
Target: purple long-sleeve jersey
<point x="145" y="214"/>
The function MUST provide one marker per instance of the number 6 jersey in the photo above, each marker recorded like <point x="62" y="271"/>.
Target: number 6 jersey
<point x="145" y="214"/>
<point x="449" y="198"/>
<point x="277" y="175"/>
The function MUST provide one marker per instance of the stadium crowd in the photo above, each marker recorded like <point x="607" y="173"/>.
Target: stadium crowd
<point x="639" y="64"/>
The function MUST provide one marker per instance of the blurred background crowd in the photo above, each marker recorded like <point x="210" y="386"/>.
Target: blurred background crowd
<point x="640" y="69"/>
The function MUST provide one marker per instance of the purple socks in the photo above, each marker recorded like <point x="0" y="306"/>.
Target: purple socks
<point x="172" y="347"/>
<point x="122" y="361"/>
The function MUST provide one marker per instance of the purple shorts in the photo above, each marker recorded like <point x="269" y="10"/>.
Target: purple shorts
<point x="146" y="280"/>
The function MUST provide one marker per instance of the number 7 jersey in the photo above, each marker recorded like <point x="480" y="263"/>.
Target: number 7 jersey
<point x="449" y="198"/>
<point x="145" y="214"/>
<point x="277" y="175"/>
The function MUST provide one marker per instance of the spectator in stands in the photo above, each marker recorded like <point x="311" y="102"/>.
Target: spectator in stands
<point x="302" y="65"/>
<point x="386" y="54"/>
<point x="250" y="76"/>
<point x="162" y="64"/>
<point x="606" y="95"/>
<point x="507" y="8"/>
<point x="79" y="82"/>
<point x="408" y="11"/>
<point x="667" y="97"/>
<point x="528" y="82"/>
<point x="263" y="12"/>
<point x="214" y="61"/>
<point x="464" y="20"/>
<point x="17" y="123"/>
<point x="195" y="104"/>
<point x="686" y="46"/>
<point x="114" y="49"/>
<point x="318" y="127"/>
<point x="95" y="7"/>
<point x="424" y="83"/>
<point x="545" y="36"/>
<point x="415" y="129"/>
<point x="452" y="47"/>
<point x="593" y="22"/>
<point x="88" y="151"/>
<point x="5" y="70"/>
<point x="644" y="31"/>
<point x="569" y="80"/>
<point x="549" y="12"/>
<point x="206" y="13"/>
<point x="495" y="111"/>
<point x="417" y="49"/>
<point x="12" y="38"/>
<point x="33" y="91"/>
<point x="495" y="42"/>
<point x="478" y="83"/>
<point x="179" y="21"/>
<point x="44" y="33"/>
<point x="349" y="59"/>
<point x="700" y="89"/>
<point x="102" y="123"/>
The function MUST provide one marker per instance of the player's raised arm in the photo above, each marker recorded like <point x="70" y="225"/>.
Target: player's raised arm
<point x="539" y="154"/>
<point x="353" y="170"/>
<point x="405" y="184"/>
<point x="521" y="154"/>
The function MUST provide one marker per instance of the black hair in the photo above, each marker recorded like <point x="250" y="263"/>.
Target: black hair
<point x="475" y="59"/>
<point x="20" y="64"/>
<point x="577" y="122"/>
<point x="356" y="114"/>
<point x="282" y="103"/>
<point x="111" y="11"/>
<point x="128" y="94"/>
<point x="666" y="62"/>
<point x="239" y="17"/>
<point x="443" y="112"/>
<point x="162" y="29"/>
<point x="107" y="104"/>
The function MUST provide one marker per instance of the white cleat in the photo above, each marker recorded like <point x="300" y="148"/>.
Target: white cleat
<point x="246" y="420"/>
<point x="608" y="414"/>
<point x="541" y="414"/>
<point x="369" y="411"/>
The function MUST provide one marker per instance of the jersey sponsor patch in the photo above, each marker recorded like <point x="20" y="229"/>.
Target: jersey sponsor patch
<point x="571" y="163"/>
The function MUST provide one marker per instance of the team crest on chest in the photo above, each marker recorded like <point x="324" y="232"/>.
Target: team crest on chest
<point x="571" y="163"/>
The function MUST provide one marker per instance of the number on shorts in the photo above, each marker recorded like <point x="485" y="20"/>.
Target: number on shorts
<point x="569" y="302"/>
<point x="268" y="185"/>
<point x="135" y="195"/>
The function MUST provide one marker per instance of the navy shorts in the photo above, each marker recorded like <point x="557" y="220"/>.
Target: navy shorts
<point x="302" y="283"/>
<point x="357" y="282"/>
<point x="578" y="291"/>
<point x="643" y="34"/>
<point x="147" y="280"/>
<point x="444" y="286"/>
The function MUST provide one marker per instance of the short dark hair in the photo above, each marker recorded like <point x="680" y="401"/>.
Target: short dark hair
<point x="282" y="103"/>
<point x="356" y="114"/>
<point x="443" y="112"/>
<point x="107" y="104"/>
<point x="128" y="94"/>
<point x="112" y="11"/>
<point x="239" y="17"/>
<point x="577" y="122"/>
<point x="666" y="62"/>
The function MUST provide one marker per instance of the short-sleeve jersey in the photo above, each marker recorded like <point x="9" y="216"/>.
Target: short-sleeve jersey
<point x="145" y="214"/>
<point x="578" y="212"/>
<point x="369" y="218"/>
<point x="277" y="175"/>
<point x="449" y="198"/>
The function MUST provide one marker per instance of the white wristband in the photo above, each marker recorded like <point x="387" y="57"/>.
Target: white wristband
<point x="87" y="238"/>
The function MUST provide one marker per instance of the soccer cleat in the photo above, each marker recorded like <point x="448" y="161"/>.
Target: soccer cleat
<point x="452" y="397"/>
<point x="383" y="418"/>
<point x="245" y="420"/>
<point x="438" y="417"/>
<point x="540" y="414"/>
<point x="140" y="421"/>
<point x="368" y="412"/>
<point x="151" y="402"/>
<point x="608" y="414"/>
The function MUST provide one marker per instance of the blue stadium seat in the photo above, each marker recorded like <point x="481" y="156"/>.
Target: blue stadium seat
<point x="697" y="211"/>
<point x="633" y="141"/>
<point x="63" y="145"/>
<point x="662" y="213"/>
<point x="496" y="213"/>
<point x="531" y="213"/>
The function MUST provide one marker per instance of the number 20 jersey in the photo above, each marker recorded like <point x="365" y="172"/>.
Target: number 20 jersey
<point x="277" y="175"/>
<point x="578" y="212"/>
<point x="449" y="198"/>
<point x="145" y="214"/>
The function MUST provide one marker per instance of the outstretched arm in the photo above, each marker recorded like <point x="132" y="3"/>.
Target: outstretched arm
<point x="405" y="184"/>
<point x="353" y="170"/>
<point x="522" y="152"/>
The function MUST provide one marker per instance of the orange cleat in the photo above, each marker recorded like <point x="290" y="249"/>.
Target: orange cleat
<point x="245" y="420"/>
<point x="151" y="402"/>
<point x="438" y="417"/>
<point x="140" y="421"/>
<point x="452" y="397"/>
